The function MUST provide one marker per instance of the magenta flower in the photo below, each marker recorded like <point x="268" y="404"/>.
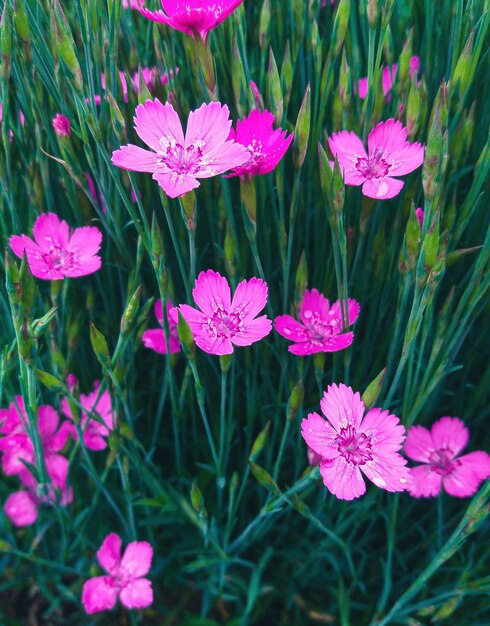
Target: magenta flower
<point x="125" y="577"/>
<point x="177" y="161"/>
<point x="55" y="252"/>
<point x="222" y="322"/>
<point x="320" y="329"/>
<point x="150" y="76"/>
<point x="192" y="16"/>
<point x="154" y="338"/>
<point x="390" y="154"/>
<point x="438" y="450"/>
<point x="388" y="77"/>
<point x="21" y="507"/>
<point x="350" y="443"/>
<point x="94" y="432"/>
<point x="61" y="125"/>
<point x="265" y="146"/>
<point x="17" y="448"/>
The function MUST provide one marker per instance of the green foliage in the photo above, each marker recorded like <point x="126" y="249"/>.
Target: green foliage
<point x="207" y="462"/>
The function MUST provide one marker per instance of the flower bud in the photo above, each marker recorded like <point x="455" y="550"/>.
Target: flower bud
<point x="302" y="130"/>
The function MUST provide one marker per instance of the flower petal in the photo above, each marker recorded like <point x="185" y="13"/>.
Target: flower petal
<point x="419" y="444"/>
<point x="353" y="310"/>
<point x="341" y="406"/>
<point x="109" y="553"/>
<point x="136" y="159"/>
<point x="389" y="139"/>
<point x="450" y="432"/>
<point x="471" y="470"/>
<point x="290" y="328"/>
<point x="136" y="561"/>
<point x="314" y="302"/>
<point x="348" y="149"/>
<point x="424" y="482"/>
<point x="137" y="594"/>
<point x="175" y="184"/>
<point x="212" y="293"/>
<point x="21" y="508"/>
<point x="343" y="479"/>
<point x="99" y="594"/>
<point x="250" y="298"/>
<point x="208" y="127"/>
<point x="158" y="125"/>
<point x="385" y="431"/>
<point x="388" y="471"/>
<point x="382" y="188"/>
<point x="49" y="231"/>
<point x="320" y="436"/>
<point x="253" y="330"/>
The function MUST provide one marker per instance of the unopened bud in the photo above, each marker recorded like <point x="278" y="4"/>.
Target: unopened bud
<point x="302" y="130"/>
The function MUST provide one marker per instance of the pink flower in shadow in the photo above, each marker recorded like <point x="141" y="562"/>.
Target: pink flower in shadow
<point x="388" y="77"/>
<point x="154" y="338"/>
<point x="125" y="577"/>
<point x="438" y="451"/>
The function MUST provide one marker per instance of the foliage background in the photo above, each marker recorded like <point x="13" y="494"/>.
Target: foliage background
<point x="265" y="543"/>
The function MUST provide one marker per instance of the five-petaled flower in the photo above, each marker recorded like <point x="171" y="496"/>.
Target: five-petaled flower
<point x="320" y="329"/>
<point x="223" y="322"/>
<point x="438" y="450"/>
<point x="55" y="252"/>
<point x="177" y="161"/>
<point x="192" y="16"/>
<point x="350" y="443"/>
<point x="124" y="579"/>
<point x="266" y="146"/>
<point x="154" y="338"/>
<point x="389" y="154"/>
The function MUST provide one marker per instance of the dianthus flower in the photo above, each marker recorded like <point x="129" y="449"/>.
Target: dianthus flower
<point x="388" y="77"/>
<point x="94" y="432"/>
<point x="266" y="146"/>
<point x="222" y="322"/>
<point x="350" y="444"/>
<point x="133" y="4"/>
<point x="420" y="216"/>
<point x="177" y="161"/>
<point x="17" y="447"/>
<point x="320" y="329"/>
<point x="192" y="16"/>
<point x="61" y="125"/>
<point x="55" y="252"/>
<point x="438" y="450"/>
<point x="154" y="338"/>
<point x="390" y="154"/>
<point x="124" y="577"/>
<point x="150" y="76"/>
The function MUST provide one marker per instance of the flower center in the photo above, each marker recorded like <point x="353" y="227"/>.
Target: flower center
<point x="224" y="324"/>
<point x="57" y="258"/>
<point x="186" y="161"/>
<point x="319" y="329"/>
<point x="442" y="462"/>
<point x="353" y="446"/>
<point x="373" y="167"/>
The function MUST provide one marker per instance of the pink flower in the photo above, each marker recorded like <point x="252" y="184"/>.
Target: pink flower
<point x="388" y="77"/>
<point x="420" y="216"/>
<point x="18" y="449"/>
<point x="61" y="125"/>
<point x="55" y="252"/>
<point x="438" y="450"/>
<point x="320" y="327"/>
<point x="154" y="338"/>
<point x="266" y="147"/>
<point x="132" y="4"/>
<point x="94" y="432"/>
<point x="222" y="322"/>
<point x="178" y="162"/>
<point x="21" y="508"/>
<point x="124" y="85"/>
<point x="193" y="16"/>
<point x="125" y="577"/>
<point x="150" y="76"/>
<point x="350" y="443"/>
<point x="390" y="154"/>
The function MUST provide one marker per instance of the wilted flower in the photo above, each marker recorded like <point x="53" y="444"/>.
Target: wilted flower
<point x="154" y="338"/>
<point x="438" y="450"/>
<point x="55" y="252"/>
<point x="350" y="443"/>
<point x="390" y="154"/>
<point x="94" y="432"/>
<point x="192" y="16"/>
<point x="61" y="125"/>
<point x="178" y="162"/>
<point x="222" y="322"/>
<point x="124" y="577"/>
<point x="320" y="329"/>
<point x="265" y="146"/>
<point x="388" y="77"/>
